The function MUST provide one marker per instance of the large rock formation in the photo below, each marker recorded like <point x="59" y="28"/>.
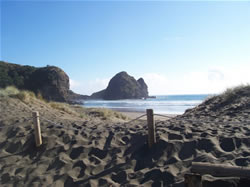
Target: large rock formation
<point x="51" y="82"/>
<point x="123" y="86"/>
<point x="98" y="95"/>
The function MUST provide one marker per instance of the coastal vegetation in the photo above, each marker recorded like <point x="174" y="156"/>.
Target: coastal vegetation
<point x="230" y="103"/>
<point x="51" y="82"/>
<point x="32" y="99"/>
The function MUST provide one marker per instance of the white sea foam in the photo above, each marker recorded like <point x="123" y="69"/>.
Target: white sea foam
<point x="174" y="104"/>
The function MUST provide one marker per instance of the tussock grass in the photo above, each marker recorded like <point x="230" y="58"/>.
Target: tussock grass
<point x="105" y="113"/>
<point x="63" y="107"/>
<point x="25" y="96"/>
<point x="9" y="91"/>
<point x="29" y="97"/>
<point x="13" y="92"/>
<point x="231" y="93"/>
<point x="238" y="90"/>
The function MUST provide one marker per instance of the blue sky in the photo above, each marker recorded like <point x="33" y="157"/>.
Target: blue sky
<point x="178" y="47"/>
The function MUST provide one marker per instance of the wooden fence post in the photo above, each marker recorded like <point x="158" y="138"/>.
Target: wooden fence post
<point x="151" y="128"/>
<point x="38" y="137"/>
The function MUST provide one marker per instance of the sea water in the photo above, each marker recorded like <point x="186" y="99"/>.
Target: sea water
<point x="162" y="104"/>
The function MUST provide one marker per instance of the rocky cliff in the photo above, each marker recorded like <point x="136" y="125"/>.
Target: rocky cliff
<point x="123" y="86"/>
<point x="51" y="82"/>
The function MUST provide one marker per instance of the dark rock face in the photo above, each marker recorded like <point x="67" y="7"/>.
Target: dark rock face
<point x="123" y="86"/>
<point x="74" y="97"/>
<point x="51" y="82"/>
<point x="98" y="95"/>
<point x="143" y="87"/>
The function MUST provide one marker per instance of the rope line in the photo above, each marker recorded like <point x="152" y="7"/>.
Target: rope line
<point x="139" y="117"/>
<point x="135" y="119"/>
<point x="55" y="124"/>
<point x="59" y="125"/>
<point x="164" y="116"/>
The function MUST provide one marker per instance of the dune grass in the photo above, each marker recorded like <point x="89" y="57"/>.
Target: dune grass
<point x="241" y="89"/>
<point x="63" y="107"/>
<point x="105" y="113"/>
<point x="23" y="95"/>
<point x="29" y="97"/>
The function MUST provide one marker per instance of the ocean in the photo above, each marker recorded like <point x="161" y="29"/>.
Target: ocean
<point x="162" y="104"/>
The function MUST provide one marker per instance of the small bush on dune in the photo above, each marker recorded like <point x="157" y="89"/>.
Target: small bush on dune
<point x="9" y="91"/>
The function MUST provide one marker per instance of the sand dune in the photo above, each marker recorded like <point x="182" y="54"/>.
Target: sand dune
<point x="95" y="152"/>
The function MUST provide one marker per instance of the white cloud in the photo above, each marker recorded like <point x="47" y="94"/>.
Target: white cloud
<point x="89" y="87"/>
<point x="157" y="83"/>
<point x="213" y="80"/>
<point x="73" y="84"/>
<point x="97" y="84"/>
<point x="215" y="75"/>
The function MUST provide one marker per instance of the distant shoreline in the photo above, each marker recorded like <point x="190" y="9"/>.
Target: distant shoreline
<point x="164" y="104"/>
<point x="135" y="114"/>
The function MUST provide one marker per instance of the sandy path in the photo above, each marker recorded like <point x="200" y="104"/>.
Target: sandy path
<point x="80" y="152"/>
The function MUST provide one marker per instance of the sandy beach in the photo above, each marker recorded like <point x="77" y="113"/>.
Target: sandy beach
<point x="134" y="115"/>
<point x="95" y="152"/>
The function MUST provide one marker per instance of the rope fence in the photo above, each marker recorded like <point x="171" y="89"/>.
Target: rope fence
<point x="135" y="119"/>
<point x="151" y="122"/>
<point x="197" y="168"/>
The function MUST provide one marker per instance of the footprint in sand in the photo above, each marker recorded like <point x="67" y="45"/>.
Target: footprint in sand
<point x="173" y="136"/>
<point x="75" y="153"/>
<point x="101" y="154"/>
<point x="205" y="144"/>
<point x="227" y="144"/>
<point x="242" y="161"/>
<point x="187" y="150"/>
<point x="120" y="177"/>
